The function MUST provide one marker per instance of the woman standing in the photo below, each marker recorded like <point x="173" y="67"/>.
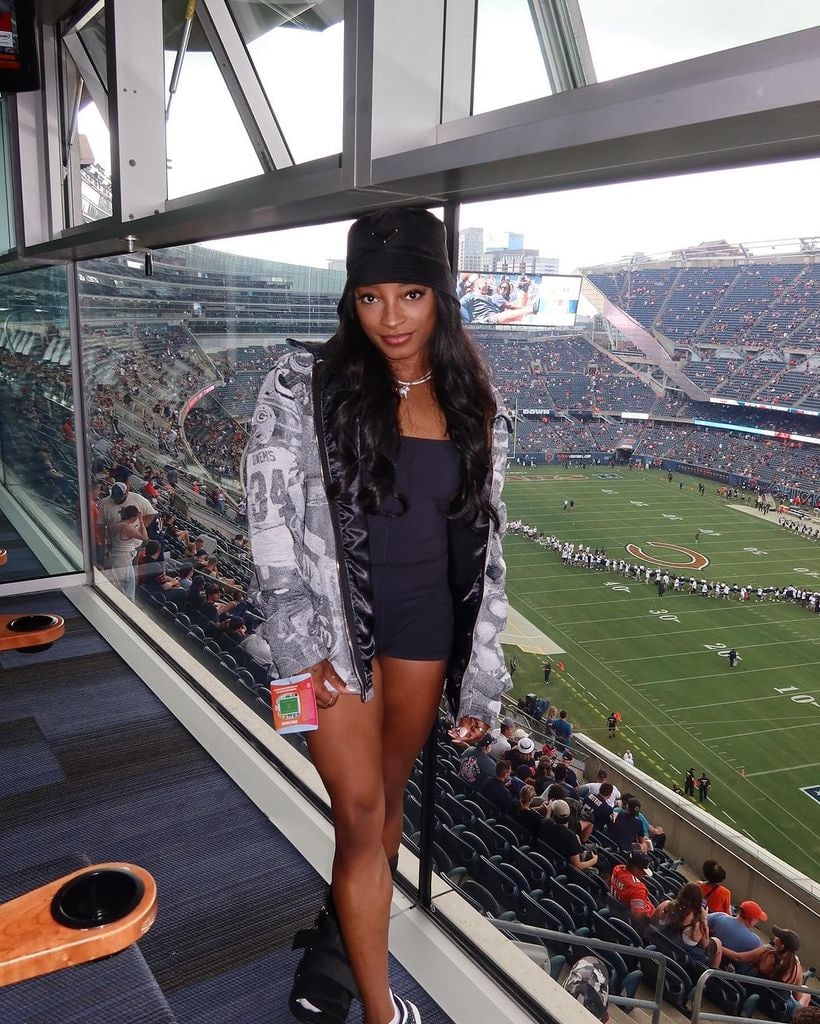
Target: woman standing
<point x="374" y="477"/>
<point x="126" y="538"/>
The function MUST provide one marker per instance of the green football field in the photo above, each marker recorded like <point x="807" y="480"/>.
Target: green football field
<point x="658" y="661"/>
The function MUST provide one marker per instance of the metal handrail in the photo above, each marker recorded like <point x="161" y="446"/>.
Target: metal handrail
<point x="581" y="940"/>
<point x="743" y="979"/>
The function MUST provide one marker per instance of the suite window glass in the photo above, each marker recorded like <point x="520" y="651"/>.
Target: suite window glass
<point x="626" y="36"/>
<point x="298" y="56"/>
<point x="37" y="437"/>
<point x="173" y="364"/>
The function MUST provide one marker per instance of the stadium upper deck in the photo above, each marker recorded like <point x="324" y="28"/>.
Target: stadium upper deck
<point x="741" y="329"/>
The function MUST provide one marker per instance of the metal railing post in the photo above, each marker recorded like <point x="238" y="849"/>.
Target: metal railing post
<point x="591" y="943"/>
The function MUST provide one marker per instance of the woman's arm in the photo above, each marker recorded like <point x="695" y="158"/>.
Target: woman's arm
<point x="749" y="956"/>
<point x="275" y="485"/>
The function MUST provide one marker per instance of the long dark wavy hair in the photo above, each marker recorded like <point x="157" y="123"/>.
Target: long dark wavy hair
<point x="363" y="409"/>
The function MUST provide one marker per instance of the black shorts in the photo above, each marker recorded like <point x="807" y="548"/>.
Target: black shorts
<point x="413" y="611"/>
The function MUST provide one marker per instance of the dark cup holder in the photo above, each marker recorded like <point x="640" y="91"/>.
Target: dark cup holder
<point x="97" y="898"/>
<point x="30" y="623"/>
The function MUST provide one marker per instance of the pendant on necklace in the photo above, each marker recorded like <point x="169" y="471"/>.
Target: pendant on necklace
<point x="403" y="386"/>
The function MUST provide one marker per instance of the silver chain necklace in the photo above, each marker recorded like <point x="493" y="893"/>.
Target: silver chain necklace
<point x="403" y="386"/>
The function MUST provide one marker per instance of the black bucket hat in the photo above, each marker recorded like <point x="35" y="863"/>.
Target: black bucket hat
<point x="402" y="244"/>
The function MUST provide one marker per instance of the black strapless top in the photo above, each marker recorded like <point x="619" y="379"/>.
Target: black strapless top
<point x="427" y="474"/>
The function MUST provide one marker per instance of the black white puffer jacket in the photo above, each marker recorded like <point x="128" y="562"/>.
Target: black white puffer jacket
<point x="312" y="555"/>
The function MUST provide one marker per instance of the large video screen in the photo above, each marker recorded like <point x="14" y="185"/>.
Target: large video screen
<point x="528" y="300"/>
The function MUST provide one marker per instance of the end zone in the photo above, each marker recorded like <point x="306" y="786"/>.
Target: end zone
<point x="520" y="632"/>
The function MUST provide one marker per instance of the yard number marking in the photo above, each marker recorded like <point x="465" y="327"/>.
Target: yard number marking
<point x="667" y="515"/>
<point x="798" y="698"/>
<point x="664" y="615"/>
<point x="619" y="587"/>
<point x="756" y="551"/>
<point x="640" y="504"/>
<point x="721" y="649"/>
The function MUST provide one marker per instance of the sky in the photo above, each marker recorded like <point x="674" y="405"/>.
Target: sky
<point x="302" y="73"/>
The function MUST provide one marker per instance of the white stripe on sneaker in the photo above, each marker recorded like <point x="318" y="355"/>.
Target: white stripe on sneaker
<point x="407" y="1012"/>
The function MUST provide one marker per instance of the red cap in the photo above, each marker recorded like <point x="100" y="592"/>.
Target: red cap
<point x="753" y="911"/>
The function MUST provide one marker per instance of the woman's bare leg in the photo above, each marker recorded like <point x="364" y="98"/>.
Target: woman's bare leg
<point x="346" y="750"/>
<point x="411" y="691"/>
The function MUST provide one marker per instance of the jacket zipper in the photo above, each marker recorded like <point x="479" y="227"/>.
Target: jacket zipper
<point x="344" y="582"/>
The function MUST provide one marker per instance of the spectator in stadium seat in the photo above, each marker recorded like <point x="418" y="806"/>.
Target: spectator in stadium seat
<point x="475" y="764"/>
<point x="654" y="833"/>
<point x="497" y="790"/>
<point x="522" y="753"/>
<point x="558" y="836"/>
<point x="502" y="738"/>
<point x="556" y="792"/>
<point x="543" y="775"/>
<point x="717" y="897"/>
<point x="571" y="778"/>
<point x="685" y="919"/>
<point x="595" y="787"/>
<point x="560" y="775"/>
<point x="214" y="608"/>
<point x="530" y="819"/>
<point x="595" y="811"/>
<point x="626" y="829"/>
<point x="185" y="577"/>
<point x="256" y="648"/>
<point x="777" y="961"/>
<point x="738" y="932"/>
<point x="150" y="573"/>
<point x="627" y="884"/>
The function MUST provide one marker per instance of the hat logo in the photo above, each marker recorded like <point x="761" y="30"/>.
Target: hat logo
<point x="384" y="238"/>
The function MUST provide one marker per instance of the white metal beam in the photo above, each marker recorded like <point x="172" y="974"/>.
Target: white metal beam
<point x="52" y="125"/>
<point x="357" y="88"/>
<point x="750" y="104"/>
<point x="460" y="20"/>
<point x="88" y="73"/>
<point x="136" y="109"/>
<point x="29" y="170"/>
<point x="407" y="75"/>
<point x="250" y="98"/>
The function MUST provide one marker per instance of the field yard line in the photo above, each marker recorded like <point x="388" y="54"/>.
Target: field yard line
<point x="741" y="700"/>
<point x="756" y="732"/>
<point x="742" y="672"/>
<point x="793" y="768"/>
<point x="694" y="611"/>
<point x="675" y="725"/>
<point x="681" y="654"/>
<point x="678" y="632"/>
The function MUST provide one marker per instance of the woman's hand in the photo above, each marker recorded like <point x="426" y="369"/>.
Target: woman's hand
<point x="469" y="731"/>
<point x="321" y="671"/>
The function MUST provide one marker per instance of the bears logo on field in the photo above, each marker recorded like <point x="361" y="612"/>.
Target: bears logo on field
<point x="693" y="560"/>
